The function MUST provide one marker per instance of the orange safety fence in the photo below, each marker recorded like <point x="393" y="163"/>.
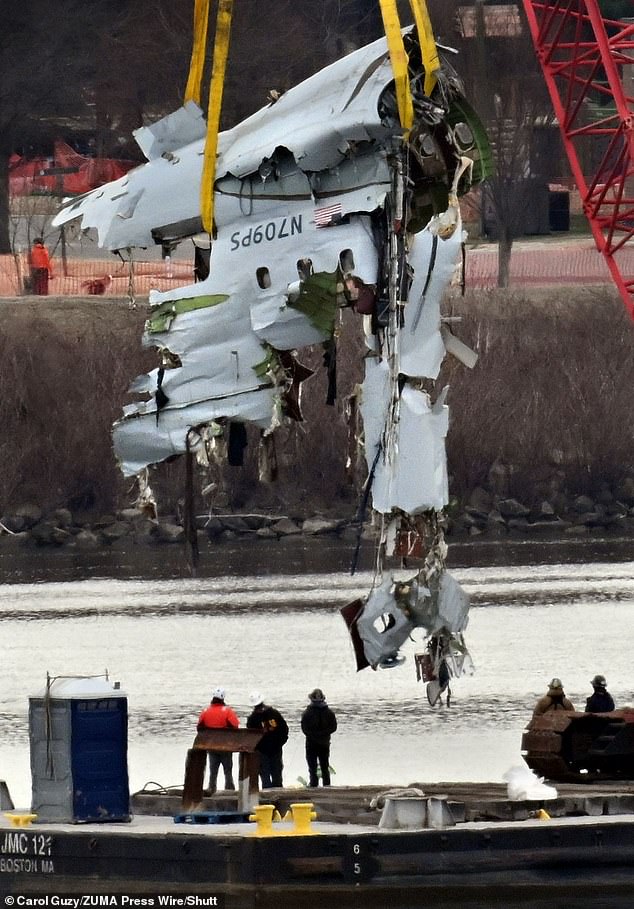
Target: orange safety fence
<point x="546" y="264"/>
<point x="96" y="277"/>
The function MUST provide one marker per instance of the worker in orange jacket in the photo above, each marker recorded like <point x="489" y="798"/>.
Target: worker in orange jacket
<point x="219" y="716"/>
<point x="41" y="267"/>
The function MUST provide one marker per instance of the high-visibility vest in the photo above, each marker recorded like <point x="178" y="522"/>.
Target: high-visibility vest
<point x="40" y="258"/>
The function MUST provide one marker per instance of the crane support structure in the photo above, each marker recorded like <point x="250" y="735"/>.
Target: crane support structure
<point x="588" y="64"/>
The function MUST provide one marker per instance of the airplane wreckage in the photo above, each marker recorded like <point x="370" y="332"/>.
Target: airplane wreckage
<point x="343" y="192"/>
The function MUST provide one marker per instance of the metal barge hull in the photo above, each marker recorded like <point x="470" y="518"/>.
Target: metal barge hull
<point x="583" y="860"/>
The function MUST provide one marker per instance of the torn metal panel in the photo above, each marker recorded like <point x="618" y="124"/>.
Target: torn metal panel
<point x="211" y="330"/>
<point x="141" y="439"/>
<point x="218" y="352"/>
<point x="412" y="474"/>
<point x="442" y="604"/>
<point x="342" y="100"/>
<point x="433" y="260"/>
<point x="383" y="626"/>
<point x="393" y="609"/>
<point x="166" y="192"/>
<point x="457" y="348"/>
<point x="220" y="376"/>
<point x="346" y="111"/>
<point x="177" y="129"/>
<point x="375" y="402"/>
<point x="318" y="120"/>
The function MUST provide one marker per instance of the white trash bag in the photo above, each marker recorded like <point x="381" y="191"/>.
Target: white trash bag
<point x="524" y="785"/>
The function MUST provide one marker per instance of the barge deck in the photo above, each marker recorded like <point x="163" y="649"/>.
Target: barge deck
<point x="498" y="853"/>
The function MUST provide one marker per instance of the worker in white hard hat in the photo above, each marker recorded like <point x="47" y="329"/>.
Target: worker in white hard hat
<point x="600" y="701"/>
<point x="219" y="716"/>
<point x="554" y="699"/>
<point x="272" y="742"/>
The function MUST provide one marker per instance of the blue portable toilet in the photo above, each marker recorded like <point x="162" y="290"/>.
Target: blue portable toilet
<point x="78" y="732"/>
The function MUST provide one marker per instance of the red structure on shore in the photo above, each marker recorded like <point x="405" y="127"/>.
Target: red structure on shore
<point x="67" y="173"/>
<point x="587" y="60"/>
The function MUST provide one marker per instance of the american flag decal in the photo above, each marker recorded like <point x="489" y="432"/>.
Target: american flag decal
<point x="326" y="215"/>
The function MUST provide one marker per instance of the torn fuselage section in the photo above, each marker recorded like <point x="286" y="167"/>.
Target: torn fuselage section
<point x="405" y="415"/>
<point x="383" y="622"/>
<point x="277" y="279"/>
<point x="320" y="202"/>
<point x="303" y="208"/>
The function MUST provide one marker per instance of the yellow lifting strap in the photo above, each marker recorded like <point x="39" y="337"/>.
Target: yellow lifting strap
<point x="428" y="49"/>
<point x="399" y="61"/>
<point x="398" y="55"/>
<point x="192" y="93"/>
<point x="221" y="52"/>
<point x="197" y="64"/>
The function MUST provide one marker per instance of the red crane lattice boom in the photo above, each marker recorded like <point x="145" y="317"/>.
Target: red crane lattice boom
<point x="587" y="61"/>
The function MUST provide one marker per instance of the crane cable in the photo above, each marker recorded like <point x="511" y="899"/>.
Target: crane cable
<point x="398" y="54"/>
<point x="193" y="92"/>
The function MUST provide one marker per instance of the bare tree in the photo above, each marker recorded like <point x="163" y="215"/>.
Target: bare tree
<point x="42" y="71"/>
<point x="515" y="197"/>
<point x="90" y="65"/>
<point x="105" y="68"/>
<point x="506" y="87"/>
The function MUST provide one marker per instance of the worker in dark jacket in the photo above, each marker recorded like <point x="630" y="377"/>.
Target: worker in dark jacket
<point x="554" y="699"/>
<point x="272" y="742"/>
<point x="600" y="701"/>
<point x="318" y="724"/>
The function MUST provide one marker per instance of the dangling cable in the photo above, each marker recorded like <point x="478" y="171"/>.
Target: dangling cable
<point x="189" y="519"/>
<point x="363" y="504"/>
<point x="131" y="291"/>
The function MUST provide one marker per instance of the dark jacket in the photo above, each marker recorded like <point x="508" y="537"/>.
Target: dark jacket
<point x="318" y="722"/>
<point x="600" y="702"/>
<point x="275" y="728"/>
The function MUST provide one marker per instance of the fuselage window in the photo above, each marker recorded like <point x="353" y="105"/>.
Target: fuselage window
<point x="304" y="268"/>
<point x="346" y="261"/>
<point x="263" y="277"/>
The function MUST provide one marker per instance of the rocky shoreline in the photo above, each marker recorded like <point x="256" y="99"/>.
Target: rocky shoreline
<point x="485" y="515"/>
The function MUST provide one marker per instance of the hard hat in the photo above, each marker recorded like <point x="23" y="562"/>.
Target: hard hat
<point x="255" y="698"/>
<point x="556" y="685"/>
<point x="218" y="693"/>
<point x="317" y="695"/>
<point x="599" y="681"/>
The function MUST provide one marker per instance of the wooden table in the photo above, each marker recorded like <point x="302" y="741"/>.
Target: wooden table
<point x="244" y="741"/>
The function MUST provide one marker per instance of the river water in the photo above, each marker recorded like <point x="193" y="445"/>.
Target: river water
<point x="265" y="617"/>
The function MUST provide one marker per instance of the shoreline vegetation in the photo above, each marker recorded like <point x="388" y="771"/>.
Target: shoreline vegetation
<point x="539" y="447"/>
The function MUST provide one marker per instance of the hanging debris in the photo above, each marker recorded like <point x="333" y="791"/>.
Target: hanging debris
<point x="342" y="192"/>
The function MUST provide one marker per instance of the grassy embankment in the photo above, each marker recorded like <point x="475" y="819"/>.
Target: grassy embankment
<point x="551" y="398"/>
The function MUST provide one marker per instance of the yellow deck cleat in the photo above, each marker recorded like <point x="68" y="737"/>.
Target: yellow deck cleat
<point x="303" y="815"/>
<point x="264" y="816"/>
<point x="20" y="820"/>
